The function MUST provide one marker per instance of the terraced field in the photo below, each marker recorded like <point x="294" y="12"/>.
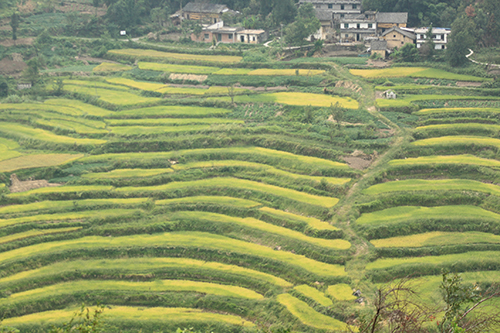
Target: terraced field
<point x="229" y="210"/>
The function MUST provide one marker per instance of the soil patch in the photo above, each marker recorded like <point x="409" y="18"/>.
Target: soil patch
<point x="190" y="77"/>
<point x="359" y="160"/>
<point x="468" y="84"/>
<point x="8" y="66"/>
<point x="20" y="41"/>
<point x="378" y="63"/>
<point x="23" y="186"/>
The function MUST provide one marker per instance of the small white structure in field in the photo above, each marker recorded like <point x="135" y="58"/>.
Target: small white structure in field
<point x="123" y="33"/>
<point x="390" y="94"/>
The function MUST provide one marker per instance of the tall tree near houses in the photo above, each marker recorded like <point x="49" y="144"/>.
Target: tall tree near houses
<point x="96" y="4"/>
<point x="461" y="40"/>
<point x="14" y="23"/>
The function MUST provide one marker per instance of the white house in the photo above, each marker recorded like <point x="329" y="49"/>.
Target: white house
<point x="439" y="36"/>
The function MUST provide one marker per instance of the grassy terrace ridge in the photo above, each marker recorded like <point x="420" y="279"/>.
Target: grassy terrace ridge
<point x="137" y="266"/>
<point x="34" y="233"/>
<point x="337" y="244"/>
<point x="152" y="130"/>
<point x="432" y="185"/>
<point x="407" y="100"/>
<point x="440" y="129"/>
<point x="177" y="239"/>
<point x="483" y="256"/>
<point x="308" y="316"/>
<point x="111" y="67"/>
<point x="63" y="189"/>
<point x="7" y="149"/>
<point x="126" y="173"/>
<point x="63" y="106"/>
<point x="140" y="53"/>
<point x="171" y="121"/>
<point x="405" y="213"/>
<point x="123" y="314"/>
<point x="425" y="112"/>
<point x="116" y="97"/>
<point x="216" y="200"/>
<point x="415" y="72"/>
<point x="166" y="111"/>
<point x="314" y="294"/>
<point x="68" y="288"/>
<point x="85" y="108"/>
<point x="226" y="182"/>
<point x="311" y="221"/>
<point x="341" y="292"/>
<point x="25" y="132"/>
<point x="446" y="159"/>
<point x="458" y="140"/>
<point x="37" y="161"/>
<point x="437" y="238"/>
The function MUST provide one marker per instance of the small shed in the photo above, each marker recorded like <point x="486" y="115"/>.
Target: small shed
<point x="379" y="47"/>
<point x="23" y="85"/>
<point x="389" y="94"/>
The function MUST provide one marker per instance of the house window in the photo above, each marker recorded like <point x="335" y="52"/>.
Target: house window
<point x="342" y="15"/>
<point x="394" y="36"/>
<point x="346" y="36"/>
<point x="358" y="25"/>
<point x="207" y="36"/>
<point x="370" y="25"/>
<point x="402" y="43"/>
<point x="253" y="38"/>
<point x="330" y="6"/>
<point x="230" y="36"/>
<point x="346" y="26"/>
<point x="354" y="6"/>
<point x="341" y="7"/>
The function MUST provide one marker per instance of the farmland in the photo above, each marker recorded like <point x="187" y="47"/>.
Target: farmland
<point x="240" y="193"/>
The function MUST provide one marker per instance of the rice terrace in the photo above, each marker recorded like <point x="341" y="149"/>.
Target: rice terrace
<point x="157" y="175"/>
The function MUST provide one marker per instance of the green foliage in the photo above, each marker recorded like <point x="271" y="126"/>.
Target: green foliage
<point x="461" y="40"/>
<point x="407" y="53"/>
<point x="85" y="321"/>
<point x="305" y="24"/>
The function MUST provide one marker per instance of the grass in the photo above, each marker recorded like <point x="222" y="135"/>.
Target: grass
<point x="286" y="72"/>
<point x="437" y="238"/>
<point x="84" y="108"/>
<point x="311" y="221"/>
<point x="116" y="97"/>
<point x="408" y="99"/>
<point x="7" y="149"/>
<point x="142" y="85"/>
<point x="416" y="72"/>
<point x="68" y="216"/>
<point x="177" y="239"/>
<point x="61" y="205"/>
<point x="94" y="84"/>
<point x="432" y="185"/>
<point x="339" y="60"/>
<point x="182" y="69"/>
<point x="69" y="288"/>
<point x="125" y="314"/>
<point x="126" y="173"/>
<point x="37" y="161"/>
<point x="425" y="112"/>
<point x="27" y="107"/>
<point x="171" y="121"/>
<point x="238" y="184"/>
<point x="171" y="111"/>
<point x="308" y="316"/>
<point x="337" y="244"/>
<point x="155" y="130"/>
<point x="216" y="200"/>
<point x="34" y="233"/>
<point x="25" y="132"/>
<point x="269" y="170"/>
<point x="233" y="71"/>
<point x="111" y="67"/>
<point x="297" y="98"/>
<point x="458" y="140"/>
<point x="341" y="292"/>
<point x="62" y="189"/>
<point x="139" y="53"/>
<point x="447" y="159"/>
<point x="459" y="127"/>
<point x="435" y="260"/>
<point x="405" y="213"/>
<point x="140" y="265"/>
<point x="71" y="125"/>
<point x="314" y="294"/>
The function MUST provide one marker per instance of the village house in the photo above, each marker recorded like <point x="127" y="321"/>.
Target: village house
<point x="439" y="37"/>
<point x="397" y="37"/>
<point x="389" y="94"/>
<point x="379" y="47"/>
<point x="223" y="34"/>
<point x="358" y="27"/>
<point x="326" y="30"/>
<point x="386" y="21"/>
<point x="203" y="12"/>
<point x="251" y="36"/>
<point x="338" y="8"/>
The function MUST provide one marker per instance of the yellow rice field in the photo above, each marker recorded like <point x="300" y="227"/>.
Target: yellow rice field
<point x="140" y="53"/>
<point x="437" y="238"/>
<point x="37" y="161"/>
<point x="458" y="140"/>
<point x="111" y="67"/>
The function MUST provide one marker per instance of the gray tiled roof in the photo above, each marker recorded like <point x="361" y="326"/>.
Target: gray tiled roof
<point x="323" y="15"/>
<point x="377" y="45"/>
<point x="392" y="17"/>
<point x="204" y="8"/>
<point x="402" y="32"/>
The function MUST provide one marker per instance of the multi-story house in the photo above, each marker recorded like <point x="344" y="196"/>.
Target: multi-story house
<point x="339" y="8"/>
<point x="357" y="27"/>
<point x="439" y="37"/>
<point x="386" y="21"/>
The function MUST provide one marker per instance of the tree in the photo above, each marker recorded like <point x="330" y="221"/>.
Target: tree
<point x="4" y="87"/>
<point x="337" y="113"/>
<point x="461" y="39"/>
<point x="84" y="321"/>
<point x="407" y="53"/>
<point x="305" y="25"/>
<point x="32" y="72"/>
<point x="428" y="48"/>
<point x="231" y="92"/>
<point x="284" y="11"/>
<point x="14" y="23"/>
<point x="96" y="4"/>
<point x="58" y="86"/>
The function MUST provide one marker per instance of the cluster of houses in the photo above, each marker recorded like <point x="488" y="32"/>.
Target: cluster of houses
<point x="342" y="21"/>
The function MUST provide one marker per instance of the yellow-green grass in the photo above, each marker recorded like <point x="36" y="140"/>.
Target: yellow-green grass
<point x="336" y="244"/>
<point x="140" y="266"/>
<point x="341" y="292"/>
<point x="26" y="132"/>
<point x="198" y="91"/>
<point x="459" y="127"/>
<point x="94" y="84"/>
<point x="69" y="216"/>
<point x="177" y="239"/>
<point x="422" y="72"/>
<point x="61" y="205"/>
<point x="86" y="109"/>
<point x="126" y="173"/>
<point x="112" y="96"/>
<point x="154" y="286"/>
<point x="233" y="71"/>
<point x="437" y="238"/>
<point x="79" y="120"/>
<point x="417" y="87"/>
<point x="125" y="314"/>
<point x="314" y="294"/>
<point x="111" y="67"/>
<point x="426" y="112"/>
<point x="7" y="149"/>
<point x="37" y="161"/>
<point x="311" y="221"/>
<point x="435" y="260"/>
<point x="292" y="159"/>
<point x="139" y="53"/>
<point x="408" y="99"/>
<point x="70" y="125"/>
<point x="142" y="85"/>
<point x="171" y="111"/>
<point x="172" y="68"/>
<point x="30" y="107"/>
<point x="286" y="72"/>
<point x="433" y="185"/>
<point x="269" y="170"/>
<point x="154" y="130"/>
<point x="171" y="121"/>
<point x="227" y="182"/>
<point x="405" y="213"/>
<point x="308" y="316"/>
<point x="296" y="98"/>
<point x="453" y="140"/>
<point x="62" y="189"/>
<point x="216" y="200"/>
<point x="447" y="159"/>
<point x="34" y="233"/>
